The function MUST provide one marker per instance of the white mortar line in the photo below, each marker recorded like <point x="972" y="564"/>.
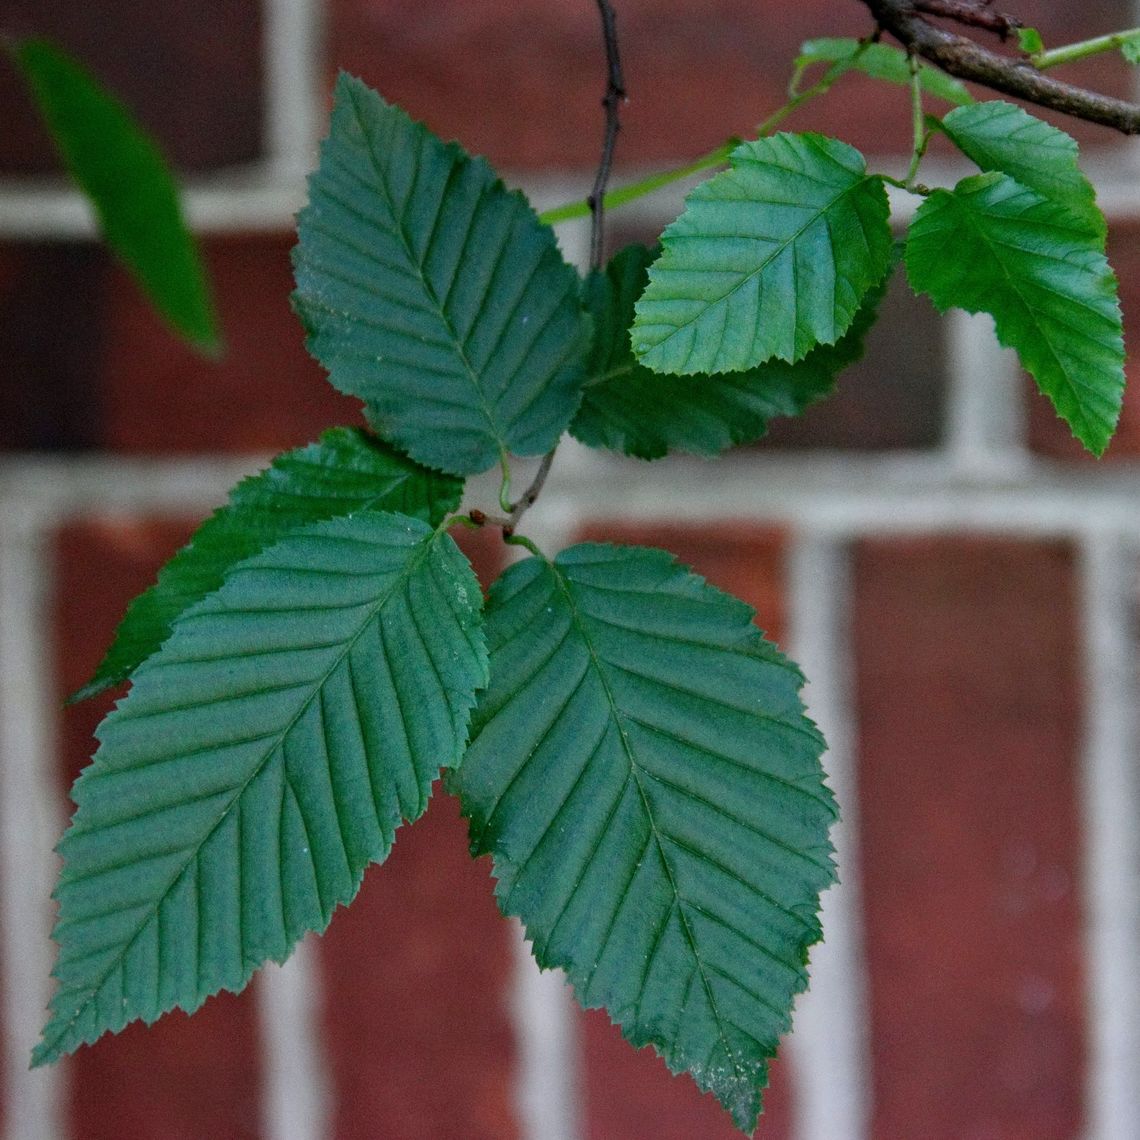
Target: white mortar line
<point x="1110" y="799"/>
<point x="547" y="1081"/>
<point x="830" y="1066"/>
<point x="985" y="415"/>
<point x="297" y="1081"/>
<point x="31" y="820"/>
<point x="294" y="87"/>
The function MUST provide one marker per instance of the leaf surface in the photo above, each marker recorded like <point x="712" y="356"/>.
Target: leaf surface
<point x="434" y="294"/>
<point x="262" y="759"/>
<point x="768" y="259"/>
<point x="123" y="173"/>
<point x="644" y="776"/>
<point x="628" y="408"/>
<point x="345" y="471"/>
<point x="999" y="136"/>
<point x="992" y="245"/>
<point x="881" y="61"/>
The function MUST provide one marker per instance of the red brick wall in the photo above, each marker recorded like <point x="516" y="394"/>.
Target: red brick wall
<point x="963" y="637"/>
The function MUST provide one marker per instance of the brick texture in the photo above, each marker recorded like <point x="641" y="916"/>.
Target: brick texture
<point x="968" y="707"/>
<point x="632" y="1094"/>
<point x="50" y="338"/>
<point x="265" y="393"/>
<point x="416" y="974"/>
<point x="191" y="74"/>
<point x="88" y="364"/>
<point x="521" y="82"/>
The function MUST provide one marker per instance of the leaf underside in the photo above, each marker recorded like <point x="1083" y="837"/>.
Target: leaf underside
<point x="434" y="294"/>
<point x="129" y="184"/>
<point x="644" y="776"/>
<point x="262" y="759"/>
<point x="628" y="408"/>
<point x="994" y="246"/>
<point x="1001" y="137"/>
<point x="768" y="259"/>
<point x="345" y="471"/>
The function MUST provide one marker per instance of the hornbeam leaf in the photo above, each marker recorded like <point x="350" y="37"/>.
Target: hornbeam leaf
<point x="999" y="136"/>
<point x="649" y="787"/>
<point x="262" y="759"/>
<point x="434" y="294"/>
<point x="628" y="408"/>
<point x="123" y="173"/>
<point x="345" y="471"/>
<point x="768" y="259"/>
<point x="992" y="245"/>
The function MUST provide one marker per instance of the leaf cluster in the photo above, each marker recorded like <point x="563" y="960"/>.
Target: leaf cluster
<point x="630" y="750"/>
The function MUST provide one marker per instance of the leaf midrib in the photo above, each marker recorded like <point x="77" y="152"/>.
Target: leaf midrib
<point x="429" y="289"/>
<point x="973" y="220"/>
<point x="863" y="180"/>
<point x="679" y="902"/>
<point x="49" y="1047"/>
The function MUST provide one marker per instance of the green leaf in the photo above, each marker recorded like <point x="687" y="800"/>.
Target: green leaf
<point x="627" y="408"/>
<point x="1130" y="48"/>
<point x="346" y="471"/>
<point x="1029" y="40"/>
<point x="768" y="259"/>
<point x="129" y="184"/>
<point x="263" y="758"/>
<point x="434" y="294"/>
<point x="881" y="61"/>
<point x="644" y="776"/>
<point x="994" y="246"/>
<point x="999" y="136"/>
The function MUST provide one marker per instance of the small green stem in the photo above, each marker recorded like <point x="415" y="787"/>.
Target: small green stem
<point x="918" y="120"/>
<point x="522" y="540"/>
<point x="505" y="486"/>
<point x="622" y="194"/>
<point x="1043" y="60"/>
<point x="718" y="157"/>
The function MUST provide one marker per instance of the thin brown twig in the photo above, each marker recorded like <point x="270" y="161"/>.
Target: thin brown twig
<point x="614" y="97"/>
<point x="964" y="59"/>
<point x="969" y="14"/>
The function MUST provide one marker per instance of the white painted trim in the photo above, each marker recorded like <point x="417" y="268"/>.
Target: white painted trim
<point x="297" y="1081"/>
<point x="830" y="1067"/>
<point x="1110" y="798"/>
<point x="985" y="413"/>
<point x="547" y="1080"/>
<point x="248" y="203"/>
<point x="31" y="820"/>
<point x="294" y="87"/>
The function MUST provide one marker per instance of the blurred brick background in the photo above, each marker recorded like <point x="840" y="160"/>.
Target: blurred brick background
<point x="964" y="604"/>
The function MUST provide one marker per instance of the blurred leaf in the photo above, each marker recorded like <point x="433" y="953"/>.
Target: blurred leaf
<point x="129" y="184"/>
